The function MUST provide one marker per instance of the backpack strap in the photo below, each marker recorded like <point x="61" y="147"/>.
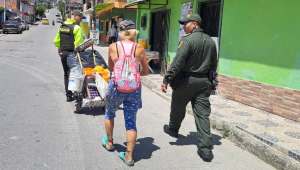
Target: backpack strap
<point x="117" y="49"/>
<point x="124" y="48"/>
<point x="134" y="50"/>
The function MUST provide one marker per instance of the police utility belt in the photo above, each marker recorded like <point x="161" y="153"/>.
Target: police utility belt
<point x="178" y="80"/>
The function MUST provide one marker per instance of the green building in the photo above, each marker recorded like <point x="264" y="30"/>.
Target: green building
<point x="110" y="14"/>
<point x="258" y="46"/>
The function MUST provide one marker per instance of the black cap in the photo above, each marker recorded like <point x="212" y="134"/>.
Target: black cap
<point x="191" y="17"/>
<point x="78" y="13"/>
<point x="128" y="25"/>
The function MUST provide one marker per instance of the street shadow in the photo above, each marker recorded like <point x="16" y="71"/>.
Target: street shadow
<point x="96" y="111"/>
<point x="192" y="139"/>
<point x="143" y="149"/>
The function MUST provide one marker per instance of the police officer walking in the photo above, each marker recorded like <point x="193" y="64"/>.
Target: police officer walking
<point x="69" y="34"/>
<point x="188" y="77"/>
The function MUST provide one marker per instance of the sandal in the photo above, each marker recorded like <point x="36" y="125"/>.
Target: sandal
<point x="122" y="156"/>
<point x="104" y="141"/>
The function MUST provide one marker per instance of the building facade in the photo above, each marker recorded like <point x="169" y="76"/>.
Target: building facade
<point x="107" y="15"/>
<point x="258" y="46"/>
<point x="17" y="8"/>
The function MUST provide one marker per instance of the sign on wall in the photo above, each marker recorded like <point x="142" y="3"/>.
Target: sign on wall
<point x="186" y="9"/>
<point x="85" y="29"/>
<point x="95" y="36"/>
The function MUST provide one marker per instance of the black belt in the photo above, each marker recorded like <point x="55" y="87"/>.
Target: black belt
<point x="192" y="74"/>
<point x="68" y="50"/>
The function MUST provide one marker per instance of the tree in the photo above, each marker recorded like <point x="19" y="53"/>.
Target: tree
<point x="61" y="7"/>
<point x="40" y="10"/>
<point x="1" y="11"/>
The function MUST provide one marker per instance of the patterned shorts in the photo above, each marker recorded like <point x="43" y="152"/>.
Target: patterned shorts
<point x="131" y="101"/>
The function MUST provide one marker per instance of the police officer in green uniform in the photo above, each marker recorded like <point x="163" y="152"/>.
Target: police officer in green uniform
<point x="196" y="55"/>
<point x="69" y="35"/>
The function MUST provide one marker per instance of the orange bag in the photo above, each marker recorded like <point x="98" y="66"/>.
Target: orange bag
<point x="104" y="73"/>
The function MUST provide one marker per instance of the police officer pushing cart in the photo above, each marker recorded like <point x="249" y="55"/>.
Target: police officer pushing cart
<point x="68" y="37"/>
<point x="188" y="77"/>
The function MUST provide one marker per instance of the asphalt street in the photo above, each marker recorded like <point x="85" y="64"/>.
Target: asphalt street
<point x="39" y="129"/>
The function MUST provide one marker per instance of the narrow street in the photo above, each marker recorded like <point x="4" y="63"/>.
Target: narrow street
<point x="39" y="129"/>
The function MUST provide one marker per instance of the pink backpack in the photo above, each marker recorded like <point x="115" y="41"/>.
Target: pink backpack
<point x="127" y="70"/>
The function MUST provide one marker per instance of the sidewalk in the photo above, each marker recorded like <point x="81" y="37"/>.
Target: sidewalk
<point x="274" y="133"/>
<point x="1" y="31"/>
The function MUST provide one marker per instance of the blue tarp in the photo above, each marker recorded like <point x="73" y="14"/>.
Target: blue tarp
<point x="10" y="11"/>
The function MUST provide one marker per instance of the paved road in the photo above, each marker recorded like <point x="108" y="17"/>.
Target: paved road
<point x="39" y="130"/>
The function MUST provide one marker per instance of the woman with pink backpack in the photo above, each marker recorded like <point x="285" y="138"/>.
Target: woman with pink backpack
<point x="127" y="61"/>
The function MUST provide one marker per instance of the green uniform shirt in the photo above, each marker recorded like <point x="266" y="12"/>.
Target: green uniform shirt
<point x="196" y="53"/>
<point x="77" y="34"/>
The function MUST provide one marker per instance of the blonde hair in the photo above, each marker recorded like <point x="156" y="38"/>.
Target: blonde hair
<point x="129" y="34"/>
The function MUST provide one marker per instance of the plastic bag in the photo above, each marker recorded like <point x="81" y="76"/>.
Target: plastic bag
<point x="87" y="59"/>
<point x="102" y="85"/>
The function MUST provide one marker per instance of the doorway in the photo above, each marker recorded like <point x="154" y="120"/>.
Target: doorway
<point x="106" y="26"/>
<point x="210" y="12"/>
<point x="160" y="23"/>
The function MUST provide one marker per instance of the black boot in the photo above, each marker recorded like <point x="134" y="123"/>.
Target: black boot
<point x="171" y="132"/>
<point x="69" y="98"/>
<point x="205" y="156"/>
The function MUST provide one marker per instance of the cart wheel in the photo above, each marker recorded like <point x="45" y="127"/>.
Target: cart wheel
<point x="79" y="103"/>
<point x="78" y="108"/>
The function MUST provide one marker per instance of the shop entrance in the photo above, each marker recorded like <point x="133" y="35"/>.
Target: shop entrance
<point x="160" y="24"/>
<point x="210" y="14"/>
<point x="106" y="27"/>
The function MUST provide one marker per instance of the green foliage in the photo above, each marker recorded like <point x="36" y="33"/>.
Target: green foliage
<point x="63" y="16"/>
<point x="225" y="134"/>
<point x="1" y="10"/>
<point x="61" y="7"/>
<point x="40" y="10"/>
<point x="213" y="126"/>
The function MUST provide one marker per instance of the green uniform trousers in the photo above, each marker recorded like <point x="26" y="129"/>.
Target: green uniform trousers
<point x="197" y="90"/>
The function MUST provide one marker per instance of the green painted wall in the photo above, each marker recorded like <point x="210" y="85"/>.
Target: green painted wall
<point x="175" y="7"/>
<point x="260" y="41"/>
<point x="126" y="14"/>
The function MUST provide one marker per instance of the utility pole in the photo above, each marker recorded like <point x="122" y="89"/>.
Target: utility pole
<point x="34" y="6"/>
<point x="65" y="10"/>
<point x="94" y="15"/>
<point x="4" y="16"/>
<point x="22" y="8"/>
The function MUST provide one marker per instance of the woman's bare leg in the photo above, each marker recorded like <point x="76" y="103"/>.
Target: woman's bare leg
<point x="109" y="126"/>
<point x="131" y="140"/>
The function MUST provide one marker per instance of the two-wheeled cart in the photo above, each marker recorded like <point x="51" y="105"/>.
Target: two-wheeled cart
<point x="88" y="96"/>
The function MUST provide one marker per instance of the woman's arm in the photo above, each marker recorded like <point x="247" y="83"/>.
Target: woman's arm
<point x="142" y="55"/>
<point x="111" y="52"/>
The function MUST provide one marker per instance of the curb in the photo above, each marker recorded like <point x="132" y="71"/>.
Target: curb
<point x="244" y="140"/>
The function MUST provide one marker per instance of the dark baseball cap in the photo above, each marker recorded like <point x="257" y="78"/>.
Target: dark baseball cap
<point x="78" y="13"/>
<point x="128" y="24"/>
<point x="191" y="17"/>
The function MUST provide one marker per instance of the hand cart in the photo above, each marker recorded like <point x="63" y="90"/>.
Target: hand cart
<point x="89" y="95"/>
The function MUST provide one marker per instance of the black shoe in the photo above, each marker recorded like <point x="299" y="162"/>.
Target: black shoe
<point x="69" y="98"/>
<point x="75" y="95"/>
<point x="171" y="132"/>
<point x="205" y="156"/>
